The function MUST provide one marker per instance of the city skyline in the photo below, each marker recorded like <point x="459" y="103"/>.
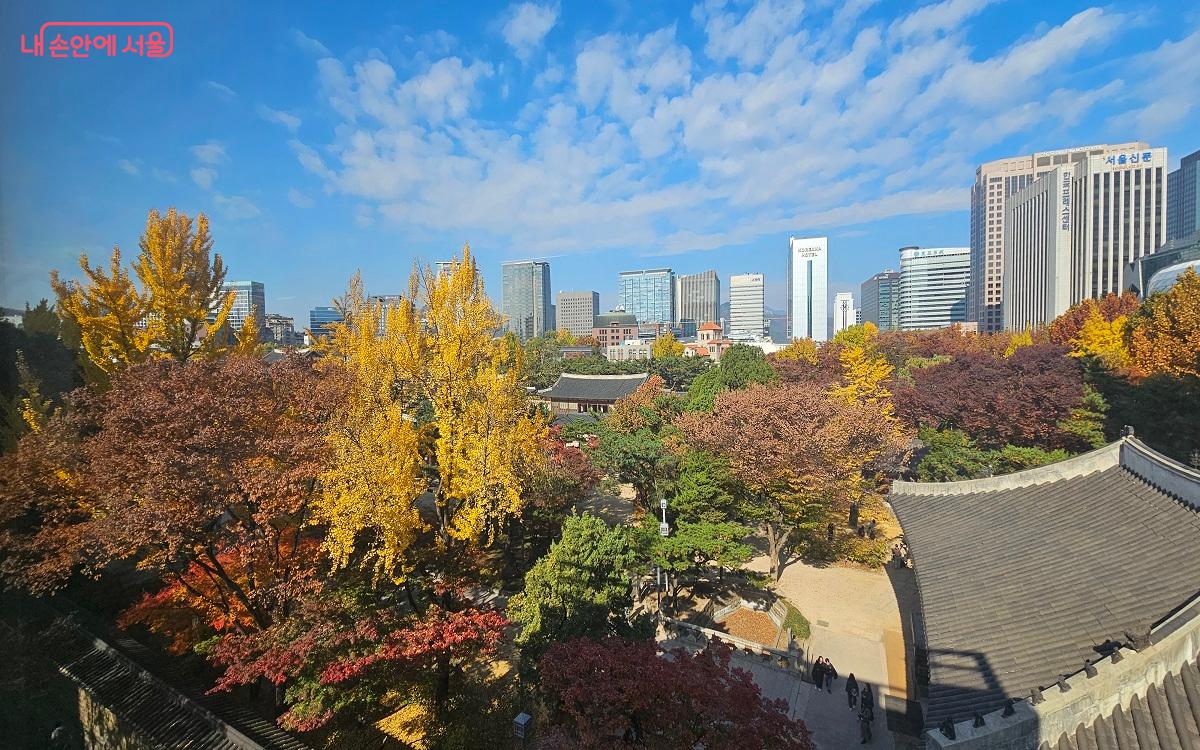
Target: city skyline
<point x="296" y="206"/>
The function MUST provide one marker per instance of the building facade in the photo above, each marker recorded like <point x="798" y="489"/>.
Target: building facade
<point x="319" y="320"/>
<point x="525" y="298"/>
<point x="648" y="295"/>
<point x="249" y="297"/>
<point x="614" y="328"/>
<point x="995" y="181"/>
<point x="933" y="286"/>
<point x="576" y="312"/>
<point x="698" y="297"/>
<point x="879" y="297"/>
<point x="1037" y="251"/>
<point x="807" y="288"/>
<point x="282" y="330"/>
<point x="747" y="305"/>
<point x="844" y="312"/>
<point x="1183" y="198"/>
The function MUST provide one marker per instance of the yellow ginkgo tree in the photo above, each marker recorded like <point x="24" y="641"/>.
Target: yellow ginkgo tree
<point x="177" y="312"/>
<point x="434" y="428"/>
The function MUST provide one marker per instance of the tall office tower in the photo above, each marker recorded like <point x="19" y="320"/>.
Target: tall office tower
<point x="844" y="312"/>
<point x="648" y="295"/>
<point x="577" y="311"/>
<point x="746" y="305"/>
<point x="933" y="286"/>
<point x="807" y="288"/>
<point x="1073" y="233"/>
<point x="442" y="266"/>
<point x="282" y="329"/>
<point x="995" y="181"/>
<point x="1183" y="198"/>
<point x="248" y="295"/>
<point x="698" y="297"/>
<point x="320" y="318"/>
<point x="880" y="300"/>
<point x="525" y="298"/>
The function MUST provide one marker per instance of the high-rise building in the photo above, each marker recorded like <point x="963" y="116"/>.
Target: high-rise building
<point x="746" y="305"/>
<point x="807" y="288"/>
<point x="577" y="311"/>
<point x="698" y="297"/>
<point x="648" y="295"/>
<point x="248" y="295"/>
<point x="844" y="312"/>
<point x="933" y="286"/>
<point x="442" y="267"/>
<point x="995" y="181"/>
<point x="879" y="297"/>
<point x="525" y="298"/>
<point x="1072" y="234"/>
<point x="1183" y="198"/>
<point x="282" y="330"/>
<point x="320" y="318"/>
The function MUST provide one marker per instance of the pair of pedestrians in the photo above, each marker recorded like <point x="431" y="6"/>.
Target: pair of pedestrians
<point x="823" y="674"/>
<point x="866" y="706"/>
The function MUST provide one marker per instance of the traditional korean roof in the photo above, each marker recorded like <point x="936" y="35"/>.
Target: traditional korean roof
<point x="1024" y="577"/>
<point x="571" y="387"/>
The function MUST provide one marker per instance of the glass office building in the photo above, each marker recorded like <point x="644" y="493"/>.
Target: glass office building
<point x="648" y="295"/>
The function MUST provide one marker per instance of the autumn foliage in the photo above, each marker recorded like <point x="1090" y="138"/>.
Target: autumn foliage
<point x="616" y="693"/>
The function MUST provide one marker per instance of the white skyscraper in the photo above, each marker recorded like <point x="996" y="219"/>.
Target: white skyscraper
<point x="995" y="182"/>
<point x="808" y="280"/>
<point x="746" y="305"/>
<point x="844" y="312"/>
<point x="933" y="286"/>
<point x="1071" y="234"/>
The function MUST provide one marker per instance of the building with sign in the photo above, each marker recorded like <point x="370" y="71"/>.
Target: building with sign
<point x="698" y="297"/>
<point x="525" y="298"/>
<point x="933" y="286"/>
<point x="1073" y="233"/>
<point x="995" y="182"/>
<point x="1183" y="198"/>
<point x="844" y="312"/>
<point x="1037" y="251"/>
<point x="746" y="305"/>
<point x="648" y="295"/>
<point x="879" y="297"/>
<point x="807" y="288"/>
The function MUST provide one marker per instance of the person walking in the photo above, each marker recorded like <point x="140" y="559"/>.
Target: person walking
<point x="818" y="672"/>
<point x="851" y="691"/>
<point x="830" y="676"/>
<point x="866" y="716"/>
<point x="865" y="698"/>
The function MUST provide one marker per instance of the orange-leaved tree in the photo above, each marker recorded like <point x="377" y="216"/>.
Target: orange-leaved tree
<point x="1165" y="333"/>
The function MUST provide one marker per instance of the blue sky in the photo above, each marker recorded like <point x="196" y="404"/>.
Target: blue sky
<point x="602" y="135"/>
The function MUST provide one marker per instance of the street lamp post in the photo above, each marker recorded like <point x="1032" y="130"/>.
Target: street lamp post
<point x="664" y="530"/>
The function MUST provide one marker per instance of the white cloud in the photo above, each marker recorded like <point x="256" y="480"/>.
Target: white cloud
<point x="286" y="119"/>
<point x="770" y="123"/>
<point x="308" y="44"/>
<point x="527" y="26"/>
<point x="299" y="199"/>
<point x="221" y="90"/>
<point x="162" y="175"/>
<point x="235" y="207"/>
<point x="204" y="177"/>
<point x="209" y="153"/>
<point x="129" y="167"/>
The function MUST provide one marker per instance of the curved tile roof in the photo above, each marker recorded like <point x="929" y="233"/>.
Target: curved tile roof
<point x="1023" y="577"/>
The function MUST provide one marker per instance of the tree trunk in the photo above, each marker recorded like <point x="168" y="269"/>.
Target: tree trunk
<point x="442" y="684"/>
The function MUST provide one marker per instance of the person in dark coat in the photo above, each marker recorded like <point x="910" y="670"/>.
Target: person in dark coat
<point x="830" y="675"/>
<point x="818" y="672"/>
<point x="851" y="691"/>
<point x="866" y="698"/>
<point x="866" y="715"/>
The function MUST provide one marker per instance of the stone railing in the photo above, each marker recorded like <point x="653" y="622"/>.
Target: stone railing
<point x="791" y="660"/>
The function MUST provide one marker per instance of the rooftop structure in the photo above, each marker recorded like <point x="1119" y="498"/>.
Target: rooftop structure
<point x="589" y="393"/>
<point x="1028" y="579"/>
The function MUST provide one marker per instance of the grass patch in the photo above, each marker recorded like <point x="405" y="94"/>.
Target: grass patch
<point x="796" y="622"/>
